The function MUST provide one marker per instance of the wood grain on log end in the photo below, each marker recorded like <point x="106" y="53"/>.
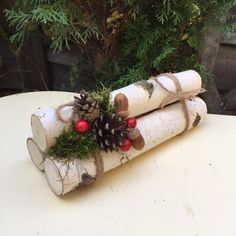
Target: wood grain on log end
<point x="36" y="154"/>
<point x="54" y="177"/>
<point x="62" y="177"/>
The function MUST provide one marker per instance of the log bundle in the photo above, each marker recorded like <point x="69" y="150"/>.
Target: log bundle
<point x="155" y="125"/>
<point x="142" y="98"/>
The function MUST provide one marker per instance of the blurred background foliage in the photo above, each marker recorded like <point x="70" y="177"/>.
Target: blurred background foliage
<point x="123" y="41"/>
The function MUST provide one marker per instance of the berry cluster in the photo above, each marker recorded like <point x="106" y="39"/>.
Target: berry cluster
<point x="83" y="126"/>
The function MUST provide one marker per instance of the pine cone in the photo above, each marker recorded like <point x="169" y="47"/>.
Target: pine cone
<point x="85" y="106"/>
<point x="110" y="131"/>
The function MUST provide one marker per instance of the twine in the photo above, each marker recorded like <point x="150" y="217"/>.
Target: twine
<point x="58" y="112"/>
<point x="98" y="161"/>
<point x="178" y="95"/>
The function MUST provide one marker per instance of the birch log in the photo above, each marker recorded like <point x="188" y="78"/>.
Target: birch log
<point x="36" y="154"/>
<point x="46" y="127"/>
<point x="155" y="128"/>
<point x="143" y="97"/>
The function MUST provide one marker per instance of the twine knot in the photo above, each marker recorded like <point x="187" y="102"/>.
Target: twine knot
<point x="179" y="94"/>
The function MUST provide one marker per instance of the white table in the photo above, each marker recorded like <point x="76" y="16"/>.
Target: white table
<point x="186" y="186"/>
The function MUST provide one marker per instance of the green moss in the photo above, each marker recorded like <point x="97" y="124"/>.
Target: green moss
<point x="72" y="145"/>
<point x="103" y="97"/>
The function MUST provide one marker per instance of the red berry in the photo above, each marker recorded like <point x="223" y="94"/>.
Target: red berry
<point x="131" y="122"/>
<point x="126" y="145"/>
<point x="82" y="126"/>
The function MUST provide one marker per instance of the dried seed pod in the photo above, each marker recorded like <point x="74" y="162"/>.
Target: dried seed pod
<point x="138" y="143"/>
<point x="133" y="134"/>
<point x="86" y="106"/>
<point x="121" y="105"/>
<point x="110" y="131"/>
<point x="137" y="139"/>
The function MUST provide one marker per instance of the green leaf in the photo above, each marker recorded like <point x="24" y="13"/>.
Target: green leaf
<point x="18" y="37"/>
<point x="17" y="18"/>
<point x="164" y="54"/>
<point x="49" y="14"/>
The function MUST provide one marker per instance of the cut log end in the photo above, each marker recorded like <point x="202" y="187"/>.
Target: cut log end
<point x="36" y="154"/>
<point x="54" y="177"/>
<point x="62" y="177"/>
<point x="38" y="132"/>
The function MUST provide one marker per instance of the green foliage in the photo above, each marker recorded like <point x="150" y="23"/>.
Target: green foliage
<point x="132" y="75"/>
<point x="129" y="40"/>
<point x="47" y="14"/>
<point x="103" y="97"/>
<point x="166" y="37"/>
<point x="62" y="21"/>
<point x="71" y="145"/>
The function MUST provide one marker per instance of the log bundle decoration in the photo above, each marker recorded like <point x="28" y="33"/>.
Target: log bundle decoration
<point x="77" y="142"/>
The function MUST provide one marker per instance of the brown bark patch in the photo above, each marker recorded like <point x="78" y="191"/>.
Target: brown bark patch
<point x="87" y="179"/>
<point x="197" y="120"/>
<point x="146" y="86"/>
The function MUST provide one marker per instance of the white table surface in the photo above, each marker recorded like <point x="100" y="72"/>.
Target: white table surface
<point x="186" y="186"/>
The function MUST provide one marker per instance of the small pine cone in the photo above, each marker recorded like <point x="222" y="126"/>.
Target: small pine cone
<point x="85" y="106"/>
<point x="110" y="131"/>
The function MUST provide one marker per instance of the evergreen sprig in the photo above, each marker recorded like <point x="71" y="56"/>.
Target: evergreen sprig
<point x="71" y="144"/>
<point x="128" y="40"/>
<point x="62" y="21"/>
<point x="103" y="96"/>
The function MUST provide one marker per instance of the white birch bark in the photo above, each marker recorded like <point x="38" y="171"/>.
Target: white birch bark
<point x="46" y="127"/>
<point x="141" y="101"/>
<point x="155" y="128"/>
